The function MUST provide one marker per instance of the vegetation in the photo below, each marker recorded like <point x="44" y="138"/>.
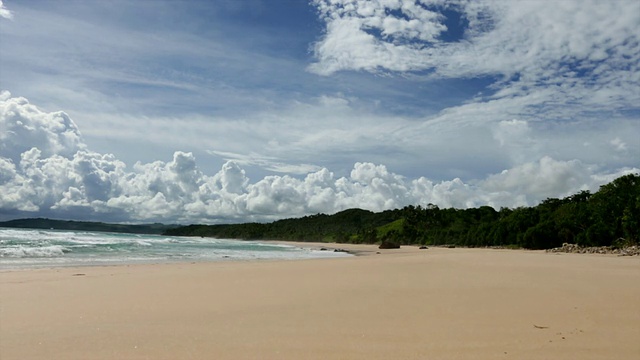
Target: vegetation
<point x="353" y="225"/>
<point x="609" y="217"/>
<point x="85" y="226"/>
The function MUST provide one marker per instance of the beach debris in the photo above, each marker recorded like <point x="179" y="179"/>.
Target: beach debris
<point x="577" y="249"/>
<point x="78" y="274"/>
<point x="423" y="247"/>
<point x="540" y="327"/>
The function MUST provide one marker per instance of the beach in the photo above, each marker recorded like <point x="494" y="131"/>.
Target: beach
<point x="404" y="303"/>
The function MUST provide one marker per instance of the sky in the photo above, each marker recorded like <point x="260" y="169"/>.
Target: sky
<point x="226" y="111"/>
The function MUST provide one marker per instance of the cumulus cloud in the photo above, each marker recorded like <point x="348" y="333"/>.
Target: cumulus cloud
<point x="55" y="175"/>
<point x="24" y="125"/>
<point x="544" y="99"/>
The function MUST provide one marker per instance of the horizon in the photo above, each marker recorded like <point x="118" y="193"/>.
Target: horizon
<point x="254" y="110"/>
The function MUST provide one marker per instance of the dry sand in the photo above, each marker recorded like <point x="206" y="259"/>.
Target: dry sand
<point x="400" y="304"/>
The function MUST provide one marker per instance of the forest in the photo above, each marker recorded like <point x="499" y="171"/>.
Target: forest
<point x="41" y="223"/>
<point x="608" y="217"/>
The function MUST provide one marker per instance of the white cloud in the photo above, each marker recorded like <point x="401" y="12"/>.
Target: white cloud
<point x="517" y="139"/>
<point x="100" y="185"/>
<point x="4" y="12"/>
<point x="46" y="169"/>
<point x="563" y="75"/>
<point x="502" y="36"/>
<point x="43" y="173"/>
<point x="541" y="179"/>
<point x="554" y="60"/>
<point x="267" y="116"/>
<point x="560" y="114"/>
<point x="349" y="43"/>
<point x="618" y="144"/>
<point x="22" y="125"/>
<point x="266" y="162"/>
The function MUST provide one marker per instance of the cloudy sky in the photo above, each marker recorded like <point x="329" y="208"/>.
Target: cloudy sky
<point x="252" y="110"/>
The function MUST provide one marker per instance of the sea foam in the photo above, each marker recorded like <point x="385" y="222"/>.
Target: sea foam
<point x="20" y="248"/>
<point x="26" y="251"/>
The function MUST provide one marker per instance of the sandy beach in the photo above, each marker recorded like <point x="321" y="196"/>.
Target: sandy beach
<point x="399" y="304"/>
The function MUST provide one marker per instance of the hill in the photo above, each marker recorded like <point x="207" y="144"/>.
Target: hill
<point x="609" y="217"/>
<point x="40" y="223"/>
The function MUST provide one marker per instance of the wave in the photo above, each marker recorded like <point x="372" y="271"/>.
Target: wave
<point x="21" y="248"/>
<point x="33" y="252"/>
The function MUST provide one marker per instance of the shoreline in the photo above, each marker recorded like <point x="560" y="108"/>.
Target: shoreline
<point x="355" y="250"/>
<point x="62" y="255"/>
<point x="402" y="303"/>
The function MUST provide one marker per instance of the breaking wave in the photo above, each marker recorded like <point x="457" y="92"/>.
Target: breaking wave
<point x="20" y="248"/>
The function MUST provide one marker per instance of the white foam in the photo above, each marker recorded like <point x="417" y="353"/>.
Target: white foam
<point x="27" y="252"/>
<point x="21" y="248"/>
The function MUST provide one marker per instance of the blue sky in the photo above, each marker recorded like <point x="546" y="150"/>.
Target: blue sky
<point x="211" y="111"/>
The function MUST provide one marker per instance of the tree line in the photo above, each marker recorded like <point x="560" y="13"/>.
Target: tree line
<point x="42" y="223"/>
<point x="608" y="217"/>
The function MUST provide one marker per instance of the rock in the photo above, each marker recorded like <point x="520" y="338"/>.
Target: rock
<point x="423" y="247"/>
<point x="577" y="249"/>
<point x="388" y="245"/>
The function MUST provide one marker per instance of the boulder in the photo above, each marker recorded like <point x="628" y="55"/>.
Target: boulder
<point x="386" y="244"/>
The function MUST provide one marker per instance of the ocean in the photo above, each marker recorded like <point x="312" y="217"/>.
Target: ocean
<point x="32" y="248"/>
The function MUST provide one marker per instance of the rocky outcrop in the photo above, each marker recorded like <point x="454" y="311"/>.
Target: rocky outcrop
<point x="577" y="249"/>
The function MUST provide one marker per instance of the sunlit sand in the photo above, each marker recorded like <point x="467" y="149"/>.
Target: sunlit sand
<point x="399" y="304"/>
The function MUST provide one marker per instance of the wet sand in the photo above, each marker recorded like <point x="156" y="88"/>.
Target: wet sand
<point x="399" y="304"/>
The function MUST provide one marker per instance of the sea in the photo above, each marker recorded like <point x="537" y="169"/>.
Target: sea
<point x="35" y="248"/>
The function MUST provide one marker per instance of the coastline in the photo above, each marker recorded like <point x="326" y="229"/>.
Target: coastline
<point x="402" y="303"/>
<point x="353" y="249"/>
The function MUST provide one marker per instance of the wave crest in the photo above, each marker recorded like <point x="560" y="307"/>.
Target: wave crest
<point x="33" y="252"/>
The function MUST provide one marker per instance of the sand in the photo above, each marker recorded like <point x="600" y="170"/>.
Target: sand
<point x="400" y="304"/>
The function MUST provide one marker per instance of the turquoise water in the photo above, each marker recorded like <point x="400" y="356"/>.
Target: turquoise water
<point x="26" y="248"/>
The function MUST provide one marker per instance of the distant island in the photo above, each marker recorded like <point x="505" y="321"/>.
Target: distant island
<point x="40" y="223"/>
<point x="609" y="217"/>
